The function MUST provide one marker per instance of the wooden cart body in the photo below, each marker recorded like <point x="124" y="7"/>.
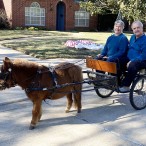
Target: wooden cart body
<point x="106" y="83"/>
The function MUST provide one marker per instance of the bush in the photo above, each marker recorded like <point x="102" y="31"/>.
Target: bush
<point x="19" y="28"/>
<point x="33" y="28"/>
<point x="4" y="22"/>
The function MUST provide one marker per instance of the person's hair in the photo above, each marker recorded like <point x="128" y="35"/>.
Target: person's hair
<point x="120" y="22"/>
<point x="138" y="22"/>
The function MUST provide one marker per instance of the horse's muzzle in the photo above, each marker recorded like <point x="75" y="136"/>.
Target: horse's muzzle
<point x="2" y="76"/>
<point x="2" y="85"/>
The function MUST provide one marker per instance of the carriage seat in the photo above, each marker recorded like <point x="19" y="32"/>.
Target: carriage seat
<point x="104" y="66"/>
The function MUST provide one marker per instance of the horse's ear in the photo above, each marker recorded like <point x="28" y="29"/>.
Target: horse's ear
<point x="7" y="60"/>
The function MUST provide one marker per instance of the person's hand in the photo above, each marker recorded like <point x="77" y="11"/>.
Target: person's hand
<point x="128" y="64"/>
<point x="105" y="57"/>
<point x="99" y="55"/>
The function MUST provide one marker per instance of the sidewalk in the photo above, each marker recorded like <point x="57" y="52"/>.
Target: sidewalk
<point x="102" y="122"/>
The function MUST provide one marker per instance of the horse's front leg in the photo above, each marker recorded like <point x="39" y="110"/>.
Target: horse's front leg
<point x="69" y="102"/>
<point x="36" y="113"/>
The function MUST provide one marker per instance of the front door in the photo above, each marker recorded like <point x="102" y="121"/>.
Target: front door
<point x="60" y="22"/>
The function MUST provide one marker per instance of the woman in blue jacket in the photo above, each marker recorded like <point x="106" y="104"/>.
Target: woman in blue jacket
<point x="115" y="48"/>
<point x="136" y="56"/>
<point x="116" y="45"/>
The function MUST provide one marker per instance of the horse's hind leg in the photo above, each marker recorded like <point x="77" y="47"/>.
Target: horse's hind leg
<point x="36" y="113"/>
<point x="40" y="114"/>
<point x="69" y="102"/>
<point x="77" y="101"/>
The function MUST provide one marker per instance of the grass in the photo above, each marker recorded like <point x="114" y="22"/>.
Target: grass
<point x="50" y="44"/>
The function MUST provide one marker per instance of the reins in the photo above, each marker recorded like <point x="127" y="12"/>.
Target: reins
<point x="55" y="88"/>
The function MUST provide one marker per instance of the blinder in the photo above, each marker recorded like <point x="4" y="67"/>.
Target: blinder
<point x="4" y="77"/>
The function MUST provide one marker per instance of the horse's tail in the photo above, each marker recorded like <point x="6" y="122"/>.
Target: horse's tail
<point x="75" y="73"/>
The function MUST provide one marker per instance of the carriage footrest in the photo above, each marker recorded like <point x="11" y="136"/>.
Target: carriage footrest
<point x="101" y="80"/>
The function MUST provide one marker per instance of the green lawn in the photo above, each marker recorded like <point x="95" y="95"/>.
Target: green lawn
<point x="50" y="44"/>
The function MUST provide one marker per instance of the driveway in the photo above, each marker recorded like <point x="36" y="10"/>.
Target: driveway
<point x="102" y="122"/>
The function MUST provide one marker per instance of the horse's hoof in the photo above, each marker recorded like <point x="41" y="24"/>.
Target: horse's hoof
<point x="79" y="111"/>
<point x="67" y="111"/>
<point x="31" y="127"/>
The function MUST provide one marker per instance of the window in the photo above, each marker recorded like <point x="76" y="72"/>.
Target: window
<point x="34" y="15"/>
<point x="81" y="18"/>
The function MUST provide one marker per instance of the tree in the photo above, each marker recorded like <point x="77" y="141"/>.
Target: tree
<point x="133" y="9"/>
<point x="100" y="6"/>
<point x="4" y="23"/>
<point x="130" y="9"/>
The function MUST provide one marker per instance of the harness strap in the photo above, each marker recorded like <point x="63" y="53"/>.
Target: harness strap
<point x="53" y="74"/>
<point x="59" y="86"/>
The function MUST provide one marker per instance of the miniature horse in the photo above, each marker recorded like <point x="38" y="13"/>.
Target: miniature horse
<point x="40" y="83"/>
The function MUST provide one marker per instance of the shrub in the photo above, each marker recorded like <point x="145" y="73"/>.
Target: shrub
<point x="33" y="28"/>
<point x="4" y="22"/>
<point x="19" y="28"/>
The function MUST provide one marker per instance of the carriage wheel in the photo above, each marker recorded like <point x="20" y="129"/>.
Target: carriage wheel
<point x="103" y="93"/>
<point x="138" y="93"/>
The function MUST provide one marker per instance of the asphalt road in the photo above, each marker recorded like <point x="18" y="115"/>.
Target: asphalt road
<point x="102" y="122"/>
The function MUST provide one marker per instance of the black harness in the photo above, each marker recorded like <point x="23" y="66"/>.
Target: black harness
<point x="52" y="74"/>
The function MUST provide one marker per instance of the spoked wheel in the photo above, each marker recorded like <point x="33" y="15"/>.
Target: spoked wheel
<point x="138" y="93"/>
<point x="103" y="93"/>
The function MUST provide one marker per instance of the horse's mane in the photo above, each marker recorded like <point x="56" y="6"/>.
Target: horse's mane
<point x="25" y="63"/>
<point x="29" y="67"/>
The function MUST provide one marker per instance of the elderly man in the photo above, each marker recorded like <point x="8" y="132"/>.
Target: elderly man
<point x="136" y="56"/>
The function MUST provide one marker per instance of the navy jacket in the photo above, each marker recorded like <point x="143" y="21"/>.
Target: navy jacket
<point x="137" y="48"/>
<point x="115" y="47"/>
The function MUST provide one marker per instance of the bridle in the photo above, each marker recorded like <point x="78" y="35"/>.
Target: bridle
<point x="5" y="76"/>
<point x="9" y="74"/>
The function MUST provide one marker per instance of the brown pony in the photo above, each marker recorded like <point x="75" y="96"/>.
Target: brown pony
<point x="40" y="83"/>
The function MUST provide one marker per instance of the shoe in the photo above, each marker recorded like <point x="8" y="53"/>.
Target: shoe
<point x="124" y="89"/>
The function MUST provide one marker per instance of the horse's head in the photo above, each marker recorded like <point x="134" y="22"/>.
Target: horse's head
<point x="6" y="80"/>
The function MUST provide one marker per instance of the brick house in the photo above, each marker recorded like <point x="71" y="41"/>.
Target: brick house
<point x="49" y="14"/>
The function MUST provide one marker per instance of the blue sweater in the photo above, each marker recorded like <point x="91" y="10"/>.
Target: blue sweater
<point x="115" y="47"/>
<point x="137" y="48"/>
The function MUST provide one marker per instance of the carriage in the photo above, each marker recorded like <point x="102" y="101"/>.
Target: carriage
<point x="107" y="82"/>
<point x="66" y="79"/>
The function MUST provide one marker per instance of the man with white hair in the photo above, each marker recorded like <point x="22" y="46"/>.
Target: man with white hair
<point x="136" y="56"/>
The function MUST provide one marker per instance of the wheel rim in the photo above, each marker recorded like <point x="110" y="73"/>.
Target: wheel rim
<point x="103" y="92"/>
<point x="139" y="95"/>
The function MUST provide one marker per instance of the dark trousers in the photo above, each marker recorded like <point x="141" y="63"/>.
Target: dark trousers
<point x="132" y="70"/>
